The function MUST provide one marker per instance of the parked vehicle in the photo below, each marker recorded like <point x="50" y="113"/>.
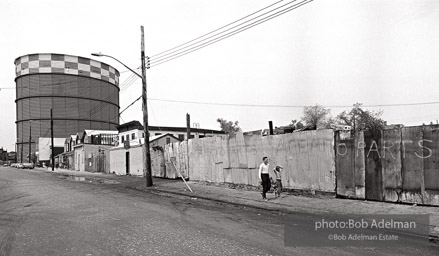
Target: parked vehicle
<point x="19" y="166"/>
<point x="27" y="166"/>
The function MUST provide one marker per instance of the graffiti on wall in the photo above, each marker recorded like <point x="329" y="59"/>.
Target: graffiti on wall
<point x="395" y="165"/>
<point x="385" y="151"/>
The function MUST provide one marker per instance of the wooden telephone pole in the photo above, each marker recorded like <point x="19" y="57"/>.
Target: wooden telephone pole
<point x="51" y="140"/>
<point x="148" y="172"/>
<point x="30" y="141"/>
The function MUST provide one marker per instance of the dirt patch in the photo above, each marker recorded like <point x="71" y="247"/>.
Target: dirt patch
<point x="97" y="180"/>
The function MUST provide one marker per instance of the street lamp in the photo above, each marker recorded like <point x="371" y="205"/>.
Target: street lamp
<point x="148" y="173"/>
<point x="104" y="55"/>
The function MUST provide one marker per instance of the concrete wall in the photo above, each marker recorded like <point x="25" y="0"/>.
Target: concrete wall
<point x="236" y="159"/>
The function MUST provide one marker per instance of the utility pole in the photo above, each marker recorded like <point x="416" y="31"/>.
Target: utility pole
<point x="147" y="155"/>
<point x="188" y="135"/>
<point x="21" y="151"/>
<point x="148" y="173"/>
<point x="188" y="126"/>
<point x="270" y="126"/>
<point x="30" y="141"/>
<point x="51" y="139"/>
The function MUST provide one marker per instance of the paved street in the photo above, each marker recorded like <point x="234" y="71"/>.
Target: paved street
<point x="46" y="213"/>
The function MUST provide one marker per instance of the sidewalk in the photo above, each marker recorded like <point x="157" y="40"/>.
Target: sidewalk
<point x="318" y="204"/>
<point x="287" y="203"/>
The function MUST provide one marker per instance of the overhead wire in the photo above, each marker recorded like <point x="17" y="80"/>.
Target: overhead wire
<point x="222" y="32"/>
<point x="283" y="11"/>
<point x="153" y="114"/>
<point x="196" y="47"/>
<point x="130" y="80"/>
<point x="127" y="83"/>
<point x="98" y="107"/>
<point x="292" y="106"/>
<point x="132" y="103"/>
<point x="162" y="53"/>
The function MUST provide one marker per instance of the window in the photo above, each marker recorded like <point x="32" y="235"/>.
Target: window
<point x="168" y="140"/>
<point x="133" y="136"/>
<point x="143" y="135"/>
<point x="122" y="139"/>
<point x="127" y="137"/>
<point x="181" y="137"/>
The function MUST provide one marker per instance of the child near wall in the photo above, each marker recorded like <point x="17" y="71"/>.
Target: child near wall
<point x="277" y="173"/>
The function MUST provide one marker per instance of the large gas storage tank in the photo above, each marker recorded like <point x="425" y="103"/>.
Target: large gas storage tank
<point x="81" y="93"/>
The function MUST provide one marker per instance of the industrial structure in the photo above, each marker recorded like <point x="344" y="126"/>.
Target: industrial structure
<point x="80" y="92"/>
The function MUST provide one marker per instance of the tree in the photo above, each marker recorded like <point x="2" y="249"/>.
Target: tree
<point x="361" y="120"/>
<point x="317" y="117"/>
<point x="296" y="124"/>
<point x="228" y="126"/>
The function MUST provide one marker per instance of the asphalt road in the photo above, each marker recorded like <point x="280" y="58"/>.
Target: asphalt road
<point x="45" y="214"/>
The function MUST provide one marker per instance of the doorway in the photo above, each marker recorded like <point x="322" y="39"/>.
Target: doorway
<point x="127" y="162"/>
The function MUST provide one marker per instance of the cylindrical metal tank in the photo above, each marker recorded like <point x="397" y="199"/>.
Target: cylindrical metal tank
<point x="82" y="93"/>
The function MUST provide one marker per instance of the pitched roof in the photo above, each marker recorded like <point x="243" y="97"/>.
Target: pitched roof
<point x="133" y="125"/>
<point x="154" y="138"/>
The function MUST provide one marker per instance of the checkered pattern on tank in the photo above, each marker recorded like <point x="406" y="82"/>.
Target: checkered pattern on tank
<point x="65" y="64"/>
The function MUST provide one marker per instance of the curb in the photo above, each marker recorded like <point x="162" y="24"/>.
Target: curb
<point x="163" y="191"/>
<point x="432" y="237"/>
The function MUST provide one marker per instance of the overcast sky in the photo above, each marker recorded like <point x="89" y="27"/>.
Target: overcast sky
<point x="328" y="52"/>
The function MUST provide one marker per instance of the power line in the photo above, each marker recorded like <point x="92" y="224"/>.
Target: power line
<point x="163" y="53"/>
<point x="222" y="32"/>
<point x="293" y="106"/>
<point x="220" y="38"/>
<point x="280" y="106"/>
<point x="122" y="87"/>
<point x="132" y="103"/>
<point x="127" y="83"/>
<point x="153" y="113"/>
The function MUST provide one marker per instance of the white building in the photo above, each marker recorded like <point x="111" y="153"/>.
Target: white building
<point x="134" y="131"/>
<point x="44" y="149"/>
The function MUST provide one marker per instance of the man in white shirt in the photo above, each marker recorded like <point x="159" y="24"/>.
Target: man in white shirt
<point x="264" y="177"/>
